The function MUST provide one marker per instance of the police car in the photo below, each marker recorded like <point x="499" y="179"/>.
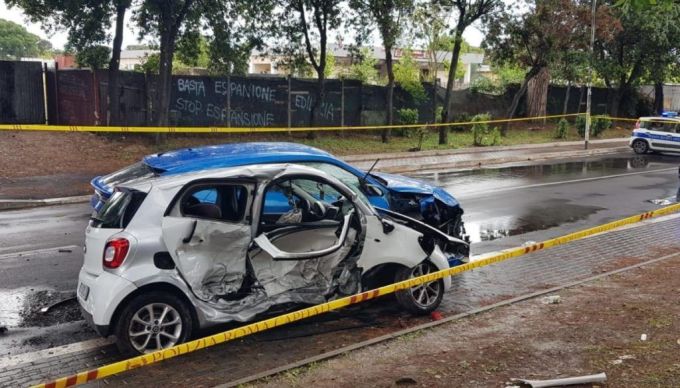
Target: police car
<point x="656" y="134"/>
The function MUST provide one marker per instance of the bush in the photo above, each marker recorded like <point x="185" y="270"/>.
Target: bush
<point x="407" y="116"/>
<point x="562" y="129"/>
<point x="486" y="86"/>
<point x="598" y="125"/>
<point x="483" y="134"/>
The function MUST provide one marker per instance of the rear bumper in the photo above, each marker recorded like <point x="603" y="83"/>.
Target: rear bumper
<point x="102" y="330"/>
<point x="105" y="293"/>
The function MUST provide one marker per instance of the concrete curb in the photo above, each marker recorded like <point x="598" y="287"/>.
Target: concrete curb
<point x="11" y="204"/>
<point x="476" y="150"/>
<point x="472" y="164"/>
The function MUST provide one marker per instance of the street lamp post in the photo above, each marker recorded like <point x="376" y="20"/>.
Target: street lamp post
<point x="590" y="75"/>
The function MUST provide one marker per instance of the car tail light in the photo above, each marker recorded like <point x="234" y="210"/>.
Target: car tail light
<point x="115" y="252"/>
<point x="637" y="124"/>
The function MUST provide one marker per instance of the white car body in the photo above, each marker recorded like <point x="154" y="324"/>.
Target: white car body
<point x="207" y="262"/>
<point x="658" y="134"/>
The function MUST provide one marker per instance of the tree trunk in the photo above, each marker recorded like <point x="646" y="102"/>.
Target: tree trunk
<point x="444" y="130"/>
<point x="518" y="96"/>
<point x="537" y="93"/>
<point x="565" y="108"/>
<point x="113" y="106"/>
<point x="616" y="102"/>
<point x="165" y="79"/>
<point x="385" y="134"/>
<point x="580" y="98"/>
<point x="658" y="97"/>
<point x="316" y="104"/>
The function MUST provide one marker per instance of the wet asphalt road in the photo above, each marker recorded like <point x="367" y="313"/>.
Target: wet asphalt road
<point x="504" y="207"/>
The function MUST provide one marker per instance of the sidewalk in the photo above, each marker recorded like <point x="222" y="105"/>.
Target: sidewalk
<point x="64" y="185"/>
<point x="596" y="327"/>
<point x="430" y="161"/>
<point x="255" y="354"/>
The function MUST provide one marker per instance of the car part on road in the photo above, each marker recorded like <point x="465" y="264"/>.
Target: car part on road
<point x="590" y="379"/>
<point x="46" y="309"/>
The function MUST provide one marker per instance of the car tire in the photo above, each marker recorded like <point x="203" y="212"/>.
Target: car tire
<point x="640" y="147"/>
<point x="137" y="331"/>
<point x="422" y="299"/>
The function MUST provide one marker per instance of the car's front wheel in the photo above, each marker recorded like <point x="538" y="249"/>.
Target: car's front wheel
<point x="424" y="298"/>
<point x="640" y="147"/>
<point x="152" y="321"/>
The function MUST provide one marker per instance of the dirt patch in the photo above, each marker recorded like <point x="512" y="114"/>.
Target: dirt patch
<point x="597" y="327"/>
<point x="62" y="308"/>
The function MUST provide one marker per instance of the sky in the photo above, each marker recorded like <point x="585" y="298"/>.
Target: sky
<point x="58" y="39"/>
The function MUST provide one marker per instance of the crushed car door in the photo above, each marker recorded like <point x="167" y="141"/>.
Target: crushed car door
<point x="305" y="254"/>
<point x="207" y="232"/>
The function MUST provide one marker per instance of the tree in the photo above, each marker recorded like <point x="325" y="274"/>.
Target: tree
<point x="388" y="16"/>
<point x="364" y="69"/>
<point x="16" y="42"/>
<point x="165" y="19"/>
<point x="469" y="11"/>
<point x="645" y="44"/>
<point x="87" y="23"/>
<point x="534" y="41"/>
<point x="305" y="25"/>
<point x="93" y="57"/>
<point x="407" y="75"/>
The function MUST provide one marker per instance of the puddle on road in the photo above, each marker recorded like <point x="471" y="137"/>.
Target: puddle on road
<point x="553" y="214"/>
<point x="488" y="179"/>
<point x="21" y="307"/>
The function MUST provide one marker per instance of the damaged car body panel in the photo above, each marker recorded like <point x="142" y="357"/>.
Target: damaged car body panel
<point x="217" y="246"/>
<point x="412" y="197"/>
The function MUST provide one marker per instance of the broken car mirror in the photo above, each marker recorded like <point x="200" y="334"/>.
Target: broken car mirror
<point x="373" y="190"/>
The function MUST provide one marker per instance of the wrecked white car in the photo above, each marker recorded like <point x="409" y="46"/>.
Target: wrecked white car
<point x="169" y="255"/>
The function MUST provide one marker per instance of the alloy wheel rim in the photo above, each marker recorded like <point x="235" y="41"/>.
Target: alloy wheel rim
<point x="424" y="295"/>
<point x="155" y="326"/>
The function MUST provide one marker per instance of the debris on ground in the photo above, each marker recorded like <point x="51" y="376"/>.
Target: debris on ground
<point x="590" y="379"/>
<point x="436" y="315"/>
<point x="552" y="299"/>
<point x="643" y="337"/>
<point x="59" y="303"/>
<point x="620" y="360"/>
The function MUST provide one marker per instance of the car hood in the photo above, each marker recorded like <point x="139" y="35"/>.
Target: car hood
<point x="402" y="184"/>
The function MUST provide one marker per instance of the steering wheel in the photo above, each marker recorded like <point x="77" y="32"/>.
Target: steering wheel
<point x="318" y="210"/>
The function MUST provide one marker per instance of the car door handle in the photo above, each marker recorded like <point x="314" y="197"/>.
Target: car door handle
<point x="191" y="235"/>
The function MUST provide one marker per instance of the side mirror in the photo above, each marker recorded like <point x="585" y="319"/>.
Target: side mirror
<point x="266" y="245"/>
<point x="373" y="190"/>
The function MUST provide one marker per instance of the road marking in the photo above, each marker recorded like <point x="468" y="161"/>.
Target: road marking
<point x="464" y="195"/>
<point x="38" y="251"/>
<point x="58" y="351"/>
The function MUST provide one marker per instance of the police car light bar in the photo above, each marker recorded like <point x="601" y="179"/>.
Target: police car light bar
<point x="669" y="114"/>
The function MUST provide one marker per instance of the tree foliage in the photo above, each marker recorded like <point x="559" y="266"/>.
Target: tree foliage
<point x="93" y="57"/>
<point x="388" y="17"/>
<point x="16" y="42"/>
<point x="407" y="75"/>
<point x="364" y="69"/>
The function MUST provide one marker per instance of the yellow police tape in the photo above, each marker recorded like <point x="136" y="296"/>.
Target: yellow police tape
<point x="126" y="129"/>
<point x="229" y="335"/>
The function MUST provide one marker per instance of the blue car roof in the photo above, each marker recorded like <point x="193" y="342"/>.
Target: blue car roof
<point x="235" y="154"/>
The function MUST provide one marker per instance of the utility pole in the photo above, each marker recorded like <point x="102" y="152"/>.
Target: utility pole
<point x="590" y="75"/>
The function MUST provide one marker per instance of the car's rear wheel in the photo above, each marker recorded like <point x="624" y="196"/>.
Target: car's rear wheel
<point x="152" y="321"/>
<point x="640" y="147"/>
<point x="421" y="299"/>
